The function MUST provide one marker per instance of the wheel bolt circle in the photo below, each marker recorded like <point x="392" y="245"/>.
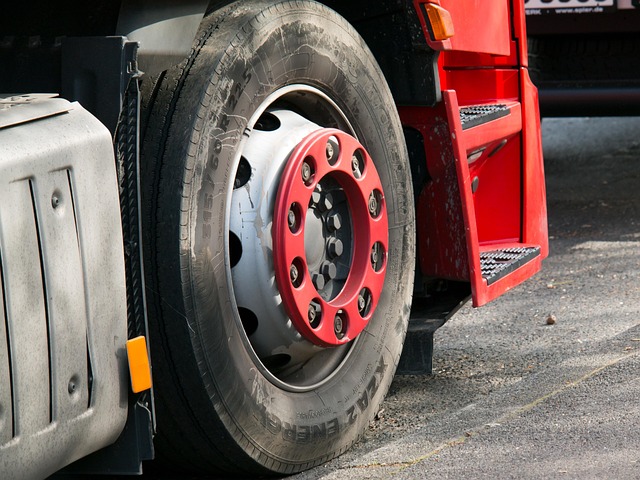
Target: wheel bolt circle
<point x="316" y="253"/>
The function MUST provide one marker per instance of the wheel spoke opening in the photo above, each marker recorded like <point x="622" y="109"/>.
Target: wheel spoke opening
<point x="243" y="174"/>
<point x="235" y="249"/>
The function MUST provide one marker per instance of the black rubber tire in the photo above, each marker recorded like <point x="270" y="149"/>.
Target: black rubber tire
<point x="215" y="411"/>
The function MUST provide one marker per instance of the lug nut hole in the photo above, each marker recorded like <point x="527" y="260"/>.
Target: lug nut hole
<point x="364" y="302"/>
<point x="296" y="272"/>
<point x="294" y="218"/>
<point x="307" y="171"/>
<point x="375" y="203"/>
<point x="377" y="256"/>
<point x="340" y="325"/>
<point x="357" y="163"/>
<point x="314" y="314"/>
<point x="332" y="150"/>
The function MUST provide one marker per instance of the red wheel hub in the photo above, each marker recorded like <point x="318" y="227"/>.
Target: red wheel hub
<point x="329" y="156"/>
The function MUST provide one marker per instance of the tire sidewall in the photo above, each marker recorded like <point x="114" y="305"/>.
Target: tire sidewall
<point x="290" y="43"/>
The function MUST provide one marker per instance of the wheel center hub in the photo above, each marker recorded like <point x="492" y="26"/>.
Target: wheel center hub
<point x="330" y="237"/>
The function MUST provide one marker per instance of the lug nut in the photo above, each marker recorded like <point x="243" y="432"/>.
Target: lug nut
<point x="377" y="256"/>
<point x="315" y="198"/>
<point x="374" y="254"/>
<point x="329" y="269"/>
<point x="306" y="172"/>
<point x="326" y="202"/>
<point x="361" y="304"/>
<point x="318" y="280"/>
<point x="293" y="274"/>
<point x="355" y="167"/>
<point x="373" y="205"/>
<point x="312" y="313"/>
<point x="334" y="222"/>
<point x="291" y="218"/>
<point x="338" y="326"/>
<point x="335" y="248"/>
<point x="330" y="151"/>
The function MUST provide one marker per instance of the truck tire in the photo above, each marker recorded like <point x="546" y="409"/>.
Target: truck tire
<point x="279" y="240"/>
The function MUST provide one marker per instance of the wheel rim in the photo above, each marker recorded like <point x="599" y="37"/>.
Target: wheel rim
<point x="302" y="238"/>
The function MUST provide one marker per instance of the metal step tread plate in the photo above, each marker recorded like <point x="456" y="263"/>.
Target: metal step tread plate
<point x="475" y="115"/>
<point x="496" y="264"/>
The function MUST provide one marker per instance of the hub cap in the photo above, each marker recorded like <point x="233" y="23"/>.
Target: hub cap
<point x="330" y="237"/>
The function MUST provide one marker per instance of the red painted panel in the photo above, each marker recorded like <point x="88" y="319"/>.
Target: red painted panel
<point x="481" y="26"/>
<point x="482" y="85"/>
<point x="497" y="200"/>
<point x="534" y="229"/>
<point x="442" y="247"/>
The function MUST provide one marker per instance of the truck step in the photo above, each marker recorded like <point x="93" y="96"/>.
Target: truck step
<point x="496" y="264"/>
<point x="475" y="115"/>
<point x="483" y="125"/>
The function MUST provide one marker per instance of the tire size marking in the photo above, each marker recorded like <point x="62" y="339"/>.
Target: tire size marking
<point x="362" y="402"/>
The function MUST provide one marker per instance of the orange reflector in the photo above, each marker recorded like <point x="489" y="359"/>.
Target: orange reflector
<point x="441" y="22"/>
<point x="139" y="368"/>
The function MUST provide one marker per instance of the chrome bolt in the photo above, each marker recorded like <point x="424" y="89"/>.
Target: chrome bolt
<point x="318" y="280"/>
<point x="291" y="217"/>
<point x="55" y="201"/>
<point x="293" y="273"/>
<point x="329" y="269"/>
<point x="334" y="222"/>
<point x="335" y="248"/>
<point x="72" y="387"/>
<point x="306" y="172"/>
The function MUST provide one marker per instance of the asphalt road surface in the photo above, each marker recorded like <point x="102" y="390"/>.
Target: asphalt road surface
<point x="512" y="396"/>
